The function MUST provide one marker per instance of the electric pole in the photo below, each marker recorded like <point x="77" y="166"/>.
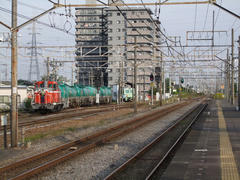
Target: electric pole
<point x="135" y="74"/>
<point x="73" y="74"/>
<point x="170" y="85"/>
<point x="228" y="77"/>
<point x="164" y="83"/>
<point x="48" y="70"/>
<point x="160" y="82"/>
<point x="14" y="90"/>
<point x="213" y="30"/>
<point x="226" y="85"/>
<point x="232" y="100"/>
<point x="238" y="73"/>
<point x="144" y="81"/>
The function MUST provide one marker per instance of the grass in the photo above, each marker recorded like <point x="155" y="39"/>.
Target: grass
<point x="71" y="129"/>
<point x="39" y="136"/>
<point x="35" y="137"/>
<point x="218" y="96"/>
<point x="86" y="126"/>
<point x="100" y="123"/>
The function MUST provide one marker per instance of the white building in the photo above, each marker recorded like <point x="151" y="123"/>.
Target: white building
<point x="5" y="95"/>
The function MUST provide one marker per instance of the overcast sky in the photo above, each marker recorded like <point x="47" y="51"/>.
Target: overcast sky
<point x="175" y="19"/>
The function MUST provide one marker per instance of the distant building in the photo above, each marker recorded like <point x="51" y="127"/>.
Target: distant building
<point x="122" y="31"/>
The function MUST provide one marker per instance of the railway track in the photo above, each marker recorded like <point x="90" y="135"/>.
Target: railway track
<point x="68" y="114"/>
<point x="33" y="165"/>
<point x="148" y="163"/>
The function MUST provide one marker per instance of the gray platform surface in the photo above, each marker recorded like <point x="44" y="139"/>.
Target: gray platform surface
<point x="201" y="155"/>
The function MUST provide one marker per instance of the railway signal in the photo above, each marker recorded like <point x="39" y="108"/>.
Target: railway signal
<point x="182" y="80"/>
<point x="157" y="74"/>
<point x="151" y="77"/>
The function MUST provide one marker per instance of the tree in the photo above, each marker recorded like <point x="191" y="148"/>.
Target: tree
<point x="167" y="84"/>
<point x="24" y="82"/>
<point x="53" y="77"/>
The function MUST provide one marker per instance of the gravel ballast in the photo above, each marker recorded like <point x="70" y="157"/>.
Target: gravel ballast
<point x="99" y="162"/>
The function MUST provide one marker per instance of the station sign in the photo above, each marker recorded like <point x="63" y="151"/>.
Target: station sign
<point x="97" y="98"/>
<point x="3" y="120"/>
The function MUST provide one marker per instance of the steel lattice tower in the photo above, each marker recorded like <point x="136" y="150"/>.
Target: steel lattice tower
<point x="34" y="66"/>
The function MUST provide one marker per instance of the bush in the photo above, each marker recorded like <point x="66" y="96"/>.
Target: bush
<point x="219" y="96"/>
<point x="27" y="103"/>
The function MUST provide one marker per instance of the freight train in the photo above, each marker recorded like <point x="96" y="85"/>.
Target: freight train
<point x="51" y="96"/>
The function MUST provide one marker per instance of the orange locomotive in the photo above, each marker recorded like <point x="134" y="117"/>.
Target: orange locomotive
<point x="47" y="96"/>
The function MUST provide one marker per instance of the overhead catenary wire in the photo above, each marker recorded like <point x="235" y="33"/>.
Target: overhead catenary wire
<point x="234" y="22"/>
<point x="169" y="47"/>
<point x="161" y="32"/>
<point x="217" y="14"/>
<point x="205" y="21"/>
<point x="41" y="9"/>
<point x="37" y="21"/>
<point x="195" y="17"/>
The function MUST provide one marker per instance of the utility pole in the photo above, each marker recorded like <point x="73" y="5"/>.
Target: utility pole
<point x="238" y="73"/>
<point x="213" y="29"/>
<point x="14" y="91"/>
<point x="119" y="90"/>
<point x="233" y="100"/>
<point x="160" y="82"/>
<point x="91" y="77"/>
<point x="216" y="85"/>
<point x="135" y="74"/>
<point x="73" y="74"/>
<point x="164" y="84"/>
<point x="226" y="86"/>
<point x="48" y="70"/>
<point x="122" y="73"/>
<point x="77" y="71"/>
<point x="144" y="81"/>
<point x="228" y="77"/>
<point x="170" y="85"/>
<point x="179" y="87"/>
<point x="14" y="29"/>
<point x="120" y="81"/>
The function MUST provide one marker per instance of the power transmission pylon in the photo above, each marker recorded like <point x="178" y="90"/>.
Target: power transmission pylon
<point x="34" y="66"/>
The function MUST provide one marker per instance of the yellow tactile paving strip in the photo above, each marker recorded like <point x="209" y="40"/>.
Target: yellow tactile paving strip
<point x="229" y="169"/>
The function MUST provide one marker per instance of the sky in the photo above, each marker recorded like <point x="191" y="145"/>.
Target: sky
<point x="175" y="21"/>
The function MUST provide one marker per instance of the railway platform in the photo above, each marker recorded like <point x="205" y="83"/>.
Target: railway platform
<point x="212" y="148"/>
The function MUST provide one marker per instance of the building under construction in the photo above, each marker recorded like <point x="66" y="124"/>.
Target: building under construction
<point x="117" y="30"/>
<point x="91" y="37"/>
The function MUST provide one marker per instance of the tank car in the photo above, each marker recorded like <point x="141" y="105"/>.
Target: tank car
<point x="49" y="95"/>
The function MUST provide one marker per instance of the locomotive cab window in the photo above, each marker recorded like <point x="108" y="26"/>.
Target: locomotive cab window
<point x="54" y="87"/>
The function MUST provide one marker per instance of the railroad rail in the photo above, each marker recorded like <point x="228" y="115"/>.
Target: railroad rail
<point x="36" y="164"/>
<point x="148" y="163"/>
<point x="74" y="113"/>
